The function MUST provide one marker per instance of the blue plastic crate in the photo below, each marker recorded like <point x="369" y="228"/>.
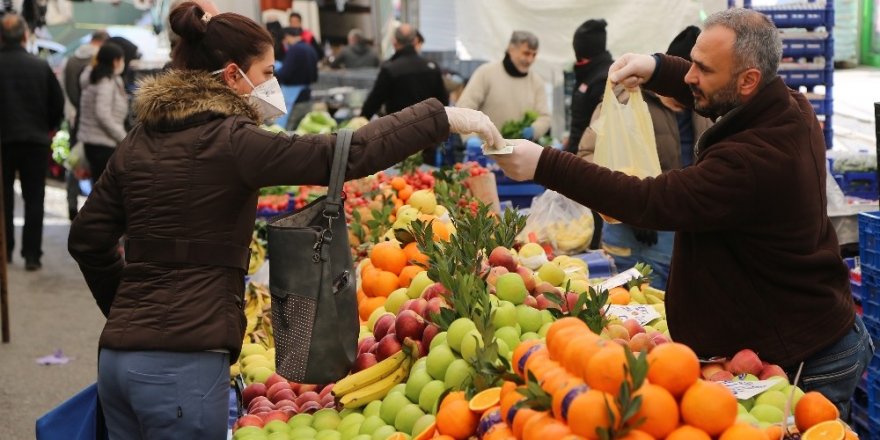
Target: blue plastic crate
<point x="869" y="247"/>
<point x="520" y="195"/>
<point x="808" y="16"/>
<point x="795" y="78"/>
<point x="804" y="47"/>
<point x="859" y="184"/>
<point x="873" y="326"/>
<point x="874" y="400"/>
<point x="599" y="263"/>
<point x="820" y="106"/>
<point x="859" y="420"/>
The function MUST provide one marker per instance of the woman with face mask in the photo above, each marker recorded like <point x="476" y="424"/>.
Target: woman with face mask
<point x="103" y="107"/>
<point x="182" y="188"/>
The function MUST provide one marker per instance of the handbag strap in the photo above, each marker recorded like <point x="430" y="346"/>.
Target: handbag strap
<point x="333" y="203"/>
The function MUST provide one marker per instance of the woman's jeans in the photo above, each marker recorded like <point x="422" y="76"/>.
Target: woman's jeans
<point x="620" y="242"/>
<point x="164" y="395"/>
<point x="836" y="370"/>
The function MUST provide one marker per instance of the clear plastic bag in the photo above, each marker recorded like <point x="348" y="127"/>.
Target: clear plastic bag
<point x="563" y="223"/>
<point x="625" y="137"/>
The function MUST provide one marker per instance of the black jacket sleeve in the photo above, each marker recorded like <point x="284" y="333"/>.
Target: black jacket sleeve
<point x="55" y="100"/>
<point x="583" y="104"/>
<point x="379" y="94"/>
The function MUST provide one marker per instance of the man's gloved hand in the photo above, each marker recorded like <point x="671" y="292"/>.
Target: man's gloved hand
<point x="632" y="70"/>
<point x="528" y="133"/>
<point x="465" y="121"/>
<point x="647" y="237"/>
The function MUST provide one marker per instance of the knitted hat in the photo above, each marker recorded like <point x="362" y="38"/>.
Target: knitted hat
<point x="683" y="43"/>
<point x="589" y="39"/>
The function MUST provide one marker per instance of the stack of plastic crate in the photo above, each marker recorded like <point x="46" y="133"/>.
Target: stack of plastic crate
<point x="866" y="401"/>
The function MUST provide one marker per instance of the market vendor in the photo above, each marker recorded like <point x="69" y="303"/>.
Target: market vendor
<point x="182" y="188"/>
<point x="756" y="263"/>
<point x="507" y="89"/>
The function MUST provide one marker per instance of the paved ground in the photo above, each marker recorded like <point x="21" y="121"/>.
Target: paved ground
<point x="53" y="309"/>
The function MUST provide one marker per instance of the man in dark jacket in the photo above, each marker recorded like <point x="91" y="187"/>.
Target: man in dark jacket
<point x="404" y="80"/>
<point x="756" y="263"/>
<point x="591" y="73"/>
<point x="33" y="105"/>
<point x="357" y="54"/>
<point x="299" y="69"/>
<point x="295" y="21"/>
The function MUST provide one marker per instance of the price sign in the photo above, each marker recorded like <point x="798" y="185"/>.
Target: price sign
<point x="744" y="390"/>
<point x="641" y="313"/>
<point x="619" y="279"/>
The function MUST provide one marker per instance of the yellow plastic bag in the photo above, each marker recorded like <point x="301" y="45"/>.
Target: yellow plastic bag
<point x="625" y="137"/>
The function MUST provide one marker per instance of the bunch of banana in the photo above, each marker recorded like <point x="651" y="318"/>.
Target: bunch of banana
<point x="258" y="312"/>
<point x="373" y="383"/>
<point x="258" y="255"/>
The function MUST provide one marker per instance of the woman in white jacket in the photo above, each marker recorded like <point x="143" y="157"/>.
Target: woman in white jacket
<point x="103" y="107"/>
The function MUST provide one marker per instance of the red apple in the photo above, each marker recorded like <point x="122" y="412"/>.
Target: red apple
<point x="571" y="300"/>
<point x="428" y="335"/>
<point x="418" y="305"/>
<point x="273" y="379"/>
<point x="772" y="370"/>
<point x="434" y="306"/>
<point x="306" y="387"/>
<point x="275" y="415"/>
<point x="261" y="410"/>
<point x="251" y="391"/>
<point x="310" y="406"/>
<point x="286" y="403"/>
<point x="501" y="257"/>
<point x="250" y="420"/>
<point x="409" y="324"/>
<point x="364" y="361"/>
<point x="745" y="362"/>
<point x="278" y="386"/>
<point x="326" y="390"/>
<point x="435" y="290"/>
<point x="544" y="287"/>
<point x="328" y="401"/>
<point x="528" y="277"/>
<point x="721" y="375"/>
<point x="659" y="339"/>
<point x="365" y="344"/>
<point x="531" y="301"/>
<point x="283" y="395"/>
<point x="708" y="370"/>
<point x="260" y="402"/>
<point x="309" y="396"/>
<point x="387" y="347"/>
<point x="383" y="324"/>
<point x="494" y="273"/>
<point x="633" y="327"/>
<point x="641" y="341"/>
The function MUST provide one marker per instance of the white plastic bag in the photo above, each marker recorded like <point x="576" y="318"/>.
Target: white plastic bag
<point x="625" y="137"/>
<point x="563" y="223"/>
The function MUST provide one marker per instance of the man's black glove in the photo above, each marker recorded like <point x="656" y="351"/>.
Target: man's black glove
<point x="646" y="237"/>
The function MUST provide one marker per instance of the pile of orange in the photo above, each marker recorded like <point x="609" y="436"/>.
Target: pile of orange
<point x="388" y="268"/>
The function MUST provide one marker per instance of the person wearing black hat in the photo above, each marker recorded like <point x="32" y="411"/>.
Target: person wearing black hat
<point x="591" y="73"/>
<point x="300" y="69"/>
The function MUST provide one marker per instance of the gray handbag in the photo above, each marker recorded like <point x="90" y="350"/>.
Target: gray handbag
<point x="312" y="281"/>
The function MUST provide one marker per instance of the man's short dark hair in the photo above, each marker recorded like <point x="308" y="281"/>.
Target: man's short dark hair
<point x="100" y="36"/>
<point x="13" y="29"/>
<point x="293" y="31"/>
<point x="295" y="14"/>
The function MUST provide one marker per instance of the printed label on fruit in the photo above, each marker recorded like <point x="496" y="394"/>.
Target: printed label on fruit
<point x="619" y="279"/>
<point x="744" y="389"/>
<point x="508" y="149"/>
<point x="644" y="314"/>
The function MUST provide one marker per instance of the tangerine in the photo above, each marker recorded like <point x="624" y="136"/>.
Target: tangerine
<point x="563" y="323"/>
<point x="544" y="427"/>
<point x="404" y="193"/>
<point x="659" y="409"/>
<point x="408" y="273"/>
<point x="563" y="397"/>
<point x="605" y="370"/>
<point x="368" y="306"/>
<point x="524" y="351"/>
<point x="591" y="408"/>
<point x="521" y="418"/>
<point x="498" y="432"/>
<point x="709" y="406"/>
<point x="441" y="231"/>
<point x="414" y="255"/>
<point x="688" y="432"/>
<point x="555" y="379"/>
<point x="619" y="295"/>
<point x="579" y="351"/>
<point x="455" y="419"/>
<point x="825" y="430"/>
<point x="812" y="409"/>
<point x="637" y="434"/>
<point x="485" y="399"/>
<point x="380" y="284"/>
<point x="453" y="396"/>
<point x="557" y="345"/>
<point x="774" y="432"/>
<point x="673" y="366"/>
<point x="745" y="431"/>
<point x="388" y="256"/>
<point x="507" y="406"/>
<point x="398" y="183"/>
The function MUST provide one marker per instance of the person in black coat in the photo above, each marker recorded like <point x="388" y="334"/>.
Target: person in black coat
<point x="31" y="106"/>
<point x="404" y="80"/>
<point x="591" y="73"/>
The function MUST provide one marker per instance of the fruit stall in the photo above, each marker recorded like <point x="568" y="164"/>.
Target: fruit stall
<point x="472" y="327"/>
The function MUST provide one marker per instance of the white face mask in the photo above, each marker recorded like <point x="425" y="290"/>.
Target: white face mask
<point x="266" y="97"/>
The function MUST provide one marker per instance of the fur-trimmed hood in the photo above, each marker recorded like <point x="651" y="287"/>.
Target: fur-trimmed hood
<point x="175" y="96"/>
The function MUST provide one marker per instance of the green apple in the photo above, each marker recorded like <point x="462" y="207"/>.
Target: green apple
<point x="511" y="287"/>
<point x="750" y="378"/>
<point x="362" y="437"/>
<point x="325" y="419"/>
<point x="419" y="364"/>
<point x="424" y="200"/>
<point x="391" y="405"/>
<point x="399" y="389"/>
<point x="351" y="419"/>
<point x="529" y="336"/>
<point x="529" y="318"/>
<point x="510" y="335"/>
<point x="276" y="426"/>
<point x="542" y="332"/>
<point x="547" y="317"/>
<point x="396" y="299"/>
<point x="408" y="416"/>
<point x="248" y="432"/>
<point x="772" y="398"/>
<point x="552" y="274"/>
<point x="439" y="359"/>
<point x="383" y="432"/>
<point x="469" y="345"/>
<point x="372" y="408"/>
<point x="423" y="423"/>
<point x="740" y="409"/>
<point x="767" y="413"/>
<point x="780" y="384"/>
<point x="250" y="349"/>
<point x="280" y="436"/>
<point x="303" y="419"/>
<point x="260" y="374"/>
<point x="351" y="431"/>
<point x="798" y="393"/>
<point x="439" y="339"/>
<point x="503" y="349"/>
<point x="459" y="375"/>
<point x="417" y="380"/>
<point x="456" y="332"/>
<point x="371" y="322"/>
<point x="329" y="435"/>
<point x="418" y="285"/>
<point x="747" y="418"/>
<point x="371" y="424"/>
<point x="429" y="396"/>
<point x="303" y="432"/>
<point x="579" y="286"/>
<point x="504" y="315"/>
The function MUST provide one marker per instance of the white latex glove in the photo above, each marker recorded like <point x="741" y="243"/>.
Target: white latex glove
<point x="522" y="162"/>
<point x="632" y="70"/>
<point x="465" y="120"/>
